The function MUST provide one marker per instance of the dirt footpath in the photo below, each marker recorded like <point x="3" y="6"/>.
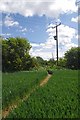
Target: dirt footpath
<point x="45" y="80"/>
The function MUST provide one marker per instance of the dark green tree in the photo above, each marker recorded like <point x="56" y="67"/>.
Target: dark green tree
<point x="51" y="62"/>
<point x="15" y="54"/>
<point x="41" y="61"/>
<point x="73" y="58"/>
<point x="62" y="62"/>
<point x="35" y="63"/>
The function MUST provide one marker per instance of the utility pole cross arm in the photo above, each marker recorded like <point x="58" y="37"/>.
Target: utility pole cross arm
<point x="56" y="25"/>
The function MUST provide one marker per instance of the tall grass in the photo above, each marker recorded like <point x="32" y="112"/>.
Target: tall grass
<point x="57" y="99"/>
<point x="16" y="85"/>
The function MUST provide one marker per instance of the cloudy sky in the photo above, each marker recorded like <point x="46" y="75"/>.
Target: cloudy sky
<point x="34" y="19"/>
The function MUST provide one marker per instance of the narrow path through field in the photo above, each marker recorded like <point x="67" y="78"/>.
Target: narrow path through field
<point x="45" y="80"/>
<point x="7" y="110"/>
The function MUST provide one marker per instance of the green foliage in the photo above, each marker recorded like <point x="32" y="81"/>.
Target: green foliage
<point x="51" y="62"/>
<point x="35" y="63"/>
<point x="73" y="58"/>
<point x="15" y="54"/>
<point x="40" y="61"/>
<point x="57" y="99"/>
<point x="16" y="85"/>
<point x="62" y="62"/>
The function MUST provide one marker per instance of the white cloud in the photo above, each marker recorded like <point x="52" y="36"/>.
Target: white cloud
<point x="78" y="37"/>
<point x="9" y="22"/>
<point x="66" y="35"/>
<point x="35" y="45"/>
<point x="76" y="19"/>
<point x="52" y="8"/>
<point x="6" y="34"/>
<point x="40" y="52"/>
<point x="24" y="30"/>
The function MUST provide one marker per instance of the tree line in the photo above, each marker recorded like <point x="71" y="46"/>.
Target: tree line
<point x="16" y="57"/>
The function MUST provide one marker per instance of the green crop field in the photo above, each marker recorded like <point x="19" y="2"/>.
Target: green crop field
<point x="16" y="85"/>
<point x="58" y="98"/>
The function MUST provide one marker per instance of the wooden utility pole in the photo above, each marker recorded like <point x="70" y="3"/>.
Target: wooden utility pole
<point x="56" y="38"/>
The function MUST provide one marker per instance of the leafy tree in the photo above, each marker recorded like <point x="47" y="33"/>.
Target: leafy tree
<point x="73" y="58"/>
<point x="35" y="63"/>
<point x="15" y="54"/>
<point x="51" y="62"/>
<point x="40" y="61"/>
<point x="62" y="62"/>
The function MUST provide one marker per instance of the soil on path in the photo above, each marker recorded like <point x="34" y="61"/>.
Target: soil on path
<point x="45" y="80"/>
<point x="7" y="110"/>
